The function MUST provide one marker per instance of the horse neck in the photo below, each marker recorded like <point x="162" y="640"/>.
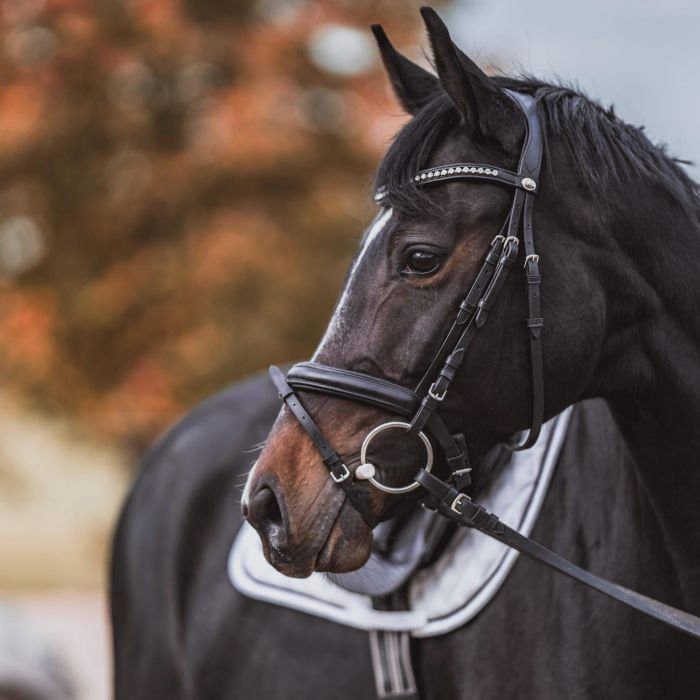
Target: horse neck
<point x="650" y="371"/>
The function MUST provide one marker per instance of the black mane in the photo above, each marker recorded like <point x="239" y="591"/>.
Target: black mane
<point x="605" y="150"/>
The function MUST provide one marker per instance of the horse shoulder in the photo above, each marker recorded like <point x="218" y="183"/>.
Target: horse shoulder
<point x="186" y="483"/>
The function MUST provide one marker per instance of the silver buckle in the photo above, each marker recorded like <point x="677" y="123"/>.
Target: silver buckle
<point x="340" y="479"/>
<point x="461" y="497"/>
<point x="433" y="395"/>
<point x="531" y="258"/>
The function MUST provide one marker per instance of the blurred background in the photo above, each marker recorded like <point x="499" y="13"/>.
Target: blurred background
<point x="182" y="185"/>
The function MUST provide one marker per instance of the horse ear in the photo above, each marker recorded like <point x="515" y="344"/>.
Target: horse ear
<point x="485" y="109"/>
<point x="413" y="85"/>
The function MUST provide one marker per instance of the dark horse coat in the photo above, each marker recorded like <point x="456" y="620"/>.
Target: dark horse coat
<point x="618" y="229"/>
<point x="182" y="631"/>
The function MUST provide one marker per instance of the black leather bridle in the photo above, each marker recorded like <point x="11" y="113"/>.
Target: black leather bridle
<point x="418" y="407"/>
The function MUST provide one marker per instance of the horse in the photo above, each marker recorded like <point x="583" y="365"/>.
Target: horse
<point x="617" y="224"/>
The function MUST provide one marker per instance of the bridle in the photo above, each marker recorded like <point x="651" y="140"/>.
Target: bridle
<point x="419" y="407"/>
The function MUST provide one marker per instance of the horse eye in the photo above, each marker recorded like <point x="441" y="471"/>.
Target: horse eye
<point x="422" y="262"/>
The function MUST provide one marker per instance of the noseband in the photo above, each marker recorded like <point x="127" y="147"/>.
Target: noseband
<point x="419" y="406"/>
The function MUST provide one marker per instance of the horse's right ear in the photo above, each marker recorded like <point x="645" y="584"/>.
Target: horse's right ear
<point x="414" y="86"/>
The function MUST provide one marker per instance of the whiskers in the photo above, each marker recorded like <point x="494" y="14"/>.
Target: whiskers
<point x="255" y="448"/>
<point x="242" y="479"/>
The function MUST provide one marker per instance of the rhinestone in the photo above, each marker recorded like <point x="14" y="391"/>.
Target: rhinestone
<point x="430" y="174"/>
<point x="472" y="170"/>
<point x="423" y="176"/>
<point x="458" y="169"/>
<point x="444" y="172"/>
<point x="528" y="183"/>
<point x="494" y="172"/>
<point x="416" y="178"/>
<point x="450" y="170"/>
<point x="480" y="170"/>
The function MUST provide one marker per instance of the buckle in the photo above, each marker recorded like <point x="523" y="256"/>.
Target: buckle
<point x="531" y="258"/>
<point x="433" y="395"/>
<point x="342" y="477"/>
<point x="461" y="497"/>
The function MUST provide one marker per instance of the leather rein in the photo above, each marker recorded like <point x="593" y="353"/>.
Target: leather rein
<point x="418" y="408"/>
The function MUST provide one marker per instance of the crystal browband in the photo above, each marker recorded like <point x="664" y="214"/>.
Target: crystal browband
<point x="467" y="170"/>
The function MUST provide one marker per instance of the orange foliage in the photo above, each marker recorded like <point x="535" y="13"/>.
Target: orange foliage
<point x="182" y="188"/>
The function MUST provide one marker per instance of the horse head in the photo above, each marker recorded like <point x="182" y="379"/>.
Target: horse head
<point x="424" y="250"/>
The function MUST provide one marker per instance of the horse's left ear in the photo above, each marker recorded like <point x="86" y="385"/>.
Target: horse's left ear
<point x="485" y="109"/>
<point x="413" y="86"/>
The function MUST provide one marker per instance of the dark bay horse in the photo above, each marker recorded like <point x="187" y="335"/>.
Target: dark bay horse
<point x="618" y="230"/>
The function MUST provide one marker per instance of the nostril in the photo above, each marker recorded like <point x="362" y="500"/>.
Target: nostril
<point x="265" y="508"/>
<point x="265" y="515"/>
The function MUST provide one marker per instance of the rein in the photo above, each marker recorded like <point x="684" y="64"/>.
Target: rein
<point x="419" y="407"/>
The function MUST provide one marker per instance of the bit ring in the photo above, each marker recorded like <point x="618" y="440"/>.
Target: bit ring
<point x="367" y="470"/>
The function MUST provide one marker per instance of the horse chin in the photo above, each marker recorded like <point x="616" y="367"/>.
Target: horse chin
<point x="348" y="545"/>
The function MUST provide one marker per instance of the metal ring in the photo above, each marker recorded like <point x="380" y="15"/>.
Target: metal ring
<point x="384" y="426"/>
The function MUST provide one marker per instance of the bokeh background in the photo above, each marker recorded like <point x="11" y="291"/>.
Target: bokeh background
<point x="182" y="184"/>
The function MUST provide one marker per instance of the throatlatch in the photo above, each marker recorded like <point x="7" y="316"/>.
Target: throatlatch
<point x="419" y="407"/>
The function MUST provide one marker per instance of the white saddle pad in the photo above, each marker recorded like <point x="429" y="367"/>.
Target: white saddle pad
<point x="442" y="597"/>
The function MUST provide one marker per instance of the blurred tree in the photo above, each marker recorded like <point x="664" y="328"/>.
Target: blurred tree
<point x="181" y="187"/>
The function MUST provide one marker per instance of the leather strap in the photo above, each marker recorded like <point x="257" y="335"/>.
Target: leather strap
<point x="459" y="508"/>
<point x="529" y="166"/>
<point x="466" y="310"/>
<point x="505" y="177"/>
<point x="339" y="472"/>
<point x="438" y="389"/>
<point x="346" y="384"/>
<point x="470" y="318"/>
